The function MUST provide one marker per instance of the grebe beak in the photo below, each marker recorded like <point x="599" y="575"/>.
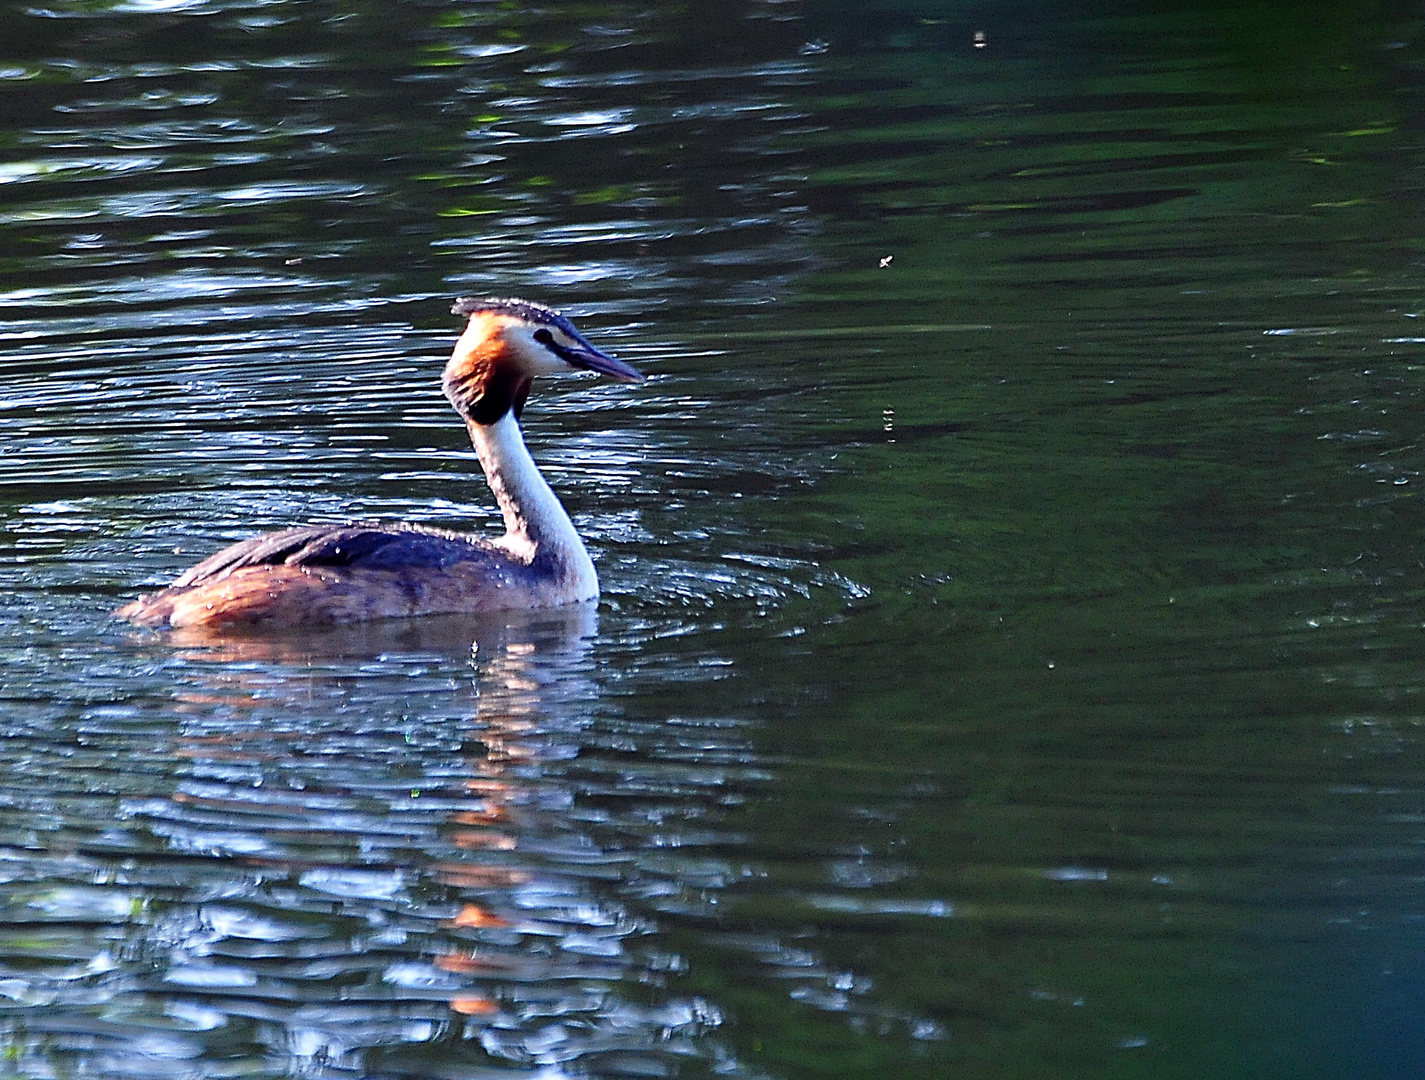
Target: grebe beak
<point x="582" y="354"/>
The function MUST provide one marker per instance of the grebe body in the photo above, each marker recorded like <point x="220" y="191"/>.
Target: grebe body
<point x="322" y="574"/>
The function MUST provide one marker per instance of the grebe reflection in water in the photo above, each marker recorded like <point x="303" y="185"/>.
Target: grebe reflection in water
<point x="321" y="574"/>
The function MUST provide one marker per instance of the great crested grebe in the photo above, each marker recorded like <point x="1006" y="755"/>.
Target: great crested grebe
<point x="321" y="574"/>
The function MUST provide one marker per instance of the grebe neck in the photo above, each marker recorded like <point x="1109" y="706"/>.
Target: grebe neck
<point x="536" y="524"/>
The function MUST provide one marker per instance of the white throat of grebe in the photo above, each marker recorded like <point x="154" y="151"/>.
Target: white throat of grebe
<point x="506" y="344"/>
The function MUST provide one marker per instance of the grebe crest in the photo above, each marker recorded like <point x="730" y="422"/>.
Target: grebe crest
<point x="347" y="573"/>
<point x="506" y="343"/>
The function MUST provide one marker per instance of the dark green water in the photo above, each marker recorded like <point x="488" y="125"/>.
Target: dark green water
<point x="1010" y="657"/>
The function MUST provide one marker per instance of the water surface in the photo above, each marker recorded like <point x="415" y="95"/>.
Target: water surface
<point x="1008" y="663"/>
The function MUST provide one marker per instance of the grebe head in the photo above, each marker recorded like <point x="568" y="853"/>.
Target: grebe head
<point x="506" y="343"/>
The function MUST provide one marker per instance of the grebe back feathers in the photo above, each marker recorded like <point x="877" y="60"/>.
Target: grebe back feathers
<point x="348" y="573"/>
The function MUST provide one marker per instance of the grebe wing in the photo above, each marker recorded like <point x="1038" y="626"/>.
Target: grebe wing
<point x="371" y="546"/>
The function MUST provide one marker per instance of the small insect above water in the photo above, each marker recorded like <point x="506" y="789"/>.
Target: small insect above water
<point x="322" y="574"/>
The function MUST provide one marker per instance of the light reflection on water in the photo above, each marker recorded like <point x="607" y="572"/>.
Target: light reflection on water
<point x="294" y="871"/>
<point x="390" y="879"/>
